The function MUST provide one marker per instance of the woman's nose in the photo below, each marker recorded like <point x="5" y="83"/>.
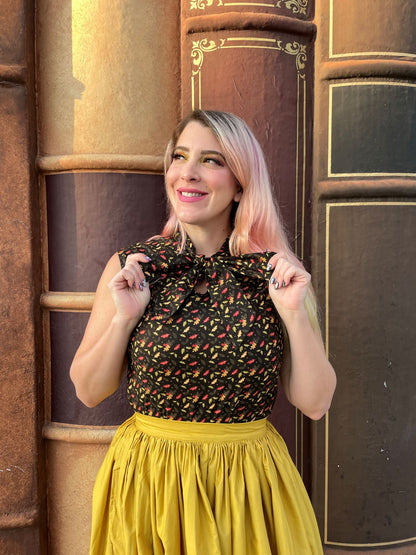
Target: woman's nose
<point x="190" y="171"/>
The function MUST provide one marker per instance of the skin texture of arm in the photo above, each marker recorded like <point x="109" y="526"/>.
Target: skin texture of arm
<point x="308" y="378"/>
<point x="120" y="301"/>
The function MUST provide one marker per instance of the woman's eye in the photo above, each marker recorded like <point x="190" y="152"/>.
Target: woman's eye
<point x="177" y="156"/>
<point x="215" y="161"/>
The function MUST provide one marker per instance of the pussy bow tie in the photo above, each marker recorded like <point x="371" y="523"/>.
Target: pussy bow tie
<point x="173" y="275"/>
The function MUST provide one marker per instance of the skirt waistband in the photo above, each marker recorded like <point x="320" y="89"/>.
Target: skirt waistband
<point x="200" y="431"/>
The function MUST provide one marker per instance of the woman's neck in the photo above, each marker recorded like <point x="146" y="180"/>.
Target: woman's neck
<point x="206" y="242"/>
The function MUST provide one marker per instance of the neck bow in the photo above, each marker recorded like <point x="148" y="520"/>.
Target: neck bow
<point x="173" y="274"/>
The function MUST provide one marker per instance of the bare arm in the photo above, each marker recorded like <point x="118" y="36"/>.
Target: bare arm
<point x="308" y="378"/>
<point x="119" y="303"/>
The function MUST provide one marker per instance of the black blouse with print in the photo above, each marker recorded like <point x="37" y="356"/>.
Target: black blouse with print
<point x="205" y="357"/>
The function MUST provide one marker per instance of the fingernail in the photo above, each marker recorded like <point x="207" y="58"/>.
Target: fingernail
<point x="283" y="284"/>
<point x="148" y="258"/>
<point x="139" y="286"/>
<point x="276" y="286"/>
<point x="269" y="267"/>
<point x="144" y="283"/>
<point x="272" y="279"/>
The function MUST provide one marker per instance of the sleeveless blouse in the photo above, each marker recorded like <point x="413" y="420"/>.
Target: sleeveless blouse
<point x="204" y="357"/>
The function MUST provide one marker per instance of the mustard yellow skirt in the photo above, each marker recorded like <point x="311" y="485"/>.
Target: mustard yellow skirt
<point x="175" y="488"/>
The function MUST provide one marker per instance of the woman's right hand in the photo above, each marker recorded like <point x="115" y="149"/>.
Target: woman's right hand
<point x="120" y="301"/>
<point x="129" y="290"/>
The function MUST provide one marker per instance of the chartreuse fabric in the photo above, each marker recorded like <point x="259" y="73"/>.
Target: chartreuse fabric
<point x="198" y="469"/>
<point x="171" y="487"/>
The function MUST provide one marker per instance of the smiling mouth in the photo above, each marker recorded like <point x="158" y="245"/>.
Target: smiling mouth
<point x="187" y="194"/>
<point x="191" y="195"/>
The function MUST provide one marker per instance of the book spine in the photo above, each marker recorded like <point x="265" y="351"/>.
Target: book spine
<point x="365" y="270"/>
<point x="255" y="59"/>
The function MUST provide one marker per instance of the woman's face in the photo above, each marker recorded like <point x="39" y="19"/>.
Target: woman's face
<point x="200" y="185"/>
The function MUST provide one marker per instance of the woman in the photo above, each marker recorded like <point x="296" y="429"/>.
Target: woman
<point x="209" y="320"/>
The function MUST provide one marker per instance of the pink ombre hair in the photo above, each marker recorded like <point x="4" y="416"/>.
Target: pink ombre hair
<point x="257" y="225"/>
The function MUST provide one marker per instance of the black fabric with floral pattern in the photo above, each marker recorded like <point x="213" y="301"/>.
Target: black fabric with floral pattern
<point x="205" y="357"/>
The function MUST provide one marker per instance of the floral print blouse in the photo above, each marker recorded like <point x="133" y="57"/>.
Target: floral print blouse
<point x="205" y="357"/>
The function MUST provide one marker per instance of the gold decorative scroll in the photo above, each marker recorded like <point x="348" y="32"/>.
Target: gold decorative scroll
<point x="202" y="4"/>
<point x="295" y="49"/>
<point x="297" y="6"/>
<point x="199" y="47"/>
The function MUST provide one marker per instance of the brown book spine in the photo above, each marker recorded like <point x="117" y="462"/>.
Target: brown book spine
<point x="364" y="252"/>
<point x="108" y="97"/>
<point x="22" y="507"/>
<point x="255" y="59"/>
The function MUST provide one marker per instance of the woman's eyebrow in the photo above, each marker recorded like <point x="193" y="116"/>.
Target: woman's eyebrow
<point x="213" y="152"/>
<point x="204" y="152"/>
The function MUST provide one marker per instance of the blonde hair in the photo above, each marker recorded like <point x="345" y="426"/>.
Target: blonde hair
<point x="257" y="225"/>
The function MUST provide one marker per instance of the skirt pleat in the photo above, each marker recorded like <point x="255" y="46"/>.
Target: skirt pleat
<point x="172" y="488"/>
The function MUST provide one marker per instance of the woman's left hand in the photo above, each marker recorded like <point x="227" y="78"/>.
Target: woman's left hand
<point x="288" y="284"/>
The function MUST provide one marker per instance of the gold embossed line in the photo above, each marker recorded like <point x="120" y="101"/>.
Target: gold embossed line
<point x="330" y="207"/>
<point x="295" y="6"/>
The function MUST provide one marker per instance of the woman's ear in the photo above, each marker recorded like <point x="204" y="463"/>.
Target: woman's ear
<point x="239" y="193"/>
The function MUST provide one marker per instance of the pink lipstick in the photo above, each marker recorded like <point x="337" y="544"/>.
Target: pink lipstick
<point x="190" y="195"/>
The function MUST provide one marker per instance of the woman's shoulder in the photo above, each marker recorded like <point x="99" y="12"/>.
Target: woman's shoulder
<point x="149" y="247"/>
